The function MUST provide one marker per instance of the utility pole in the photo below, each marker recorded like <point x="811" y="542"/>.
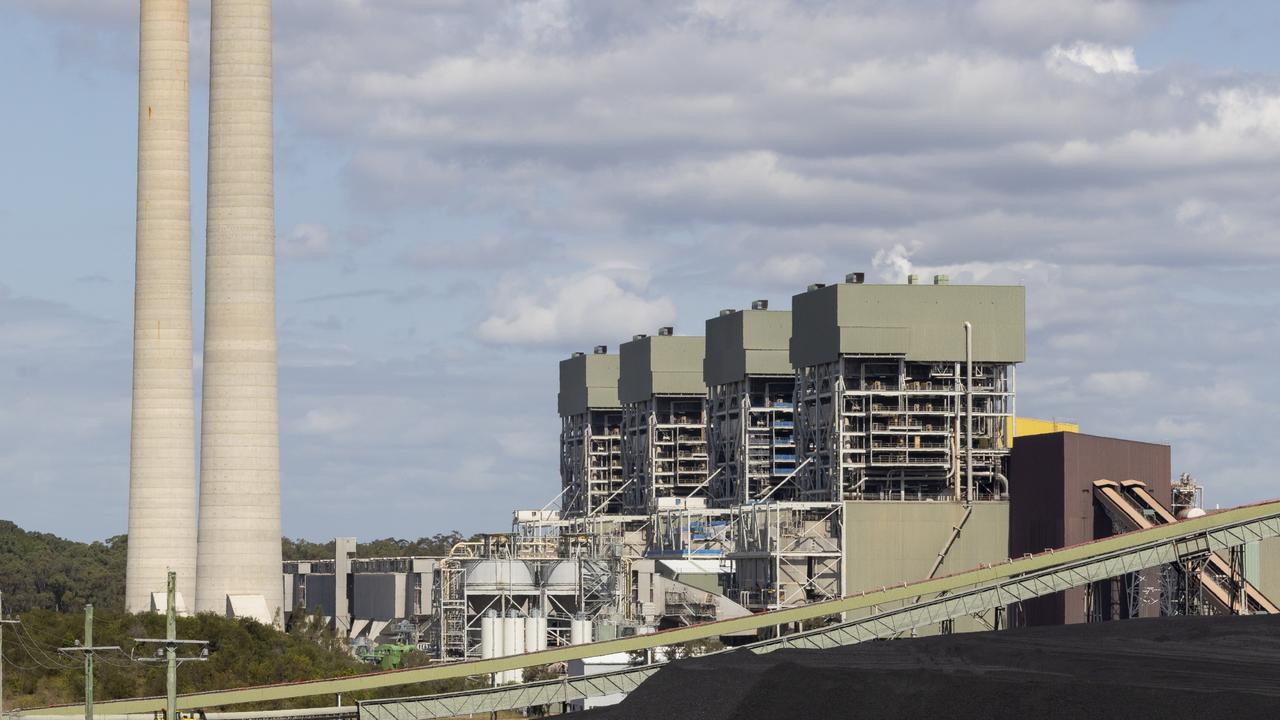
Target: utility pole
<point x="88" y="649"/>
<point x="168" y="652"/>
<point x="3" y="622"/>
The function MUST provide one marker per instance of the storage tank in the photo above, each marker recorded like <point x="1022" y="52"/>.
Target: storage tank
<point x="541" y="622"/>
<point x="579" y="630"/>
<point x="518" y="631"/>
<point x="508" y="624"/>
<point x="489" y="636"/>
<point x="531" y="643"/>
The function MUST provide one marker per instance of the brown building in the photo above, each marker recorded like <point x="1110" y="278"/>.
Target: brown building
<point x="1052" y="505"/>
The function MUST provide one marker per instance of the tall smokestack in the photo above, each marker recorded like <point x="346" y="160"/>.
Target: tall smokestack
<point x="239" y="547"/>
<point x="162" y="483"/>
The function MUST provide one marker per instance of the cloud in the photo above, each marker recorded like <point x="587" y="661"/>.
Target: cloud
<point x="597" y="305"/>
<point x="1097" y="59"/>
<point x="325" y="421"/>
<point x="1120" y="383"/>
<point x="306" y="242"/>
<point x="489" y="251"/>
<point x="545" y="176"/>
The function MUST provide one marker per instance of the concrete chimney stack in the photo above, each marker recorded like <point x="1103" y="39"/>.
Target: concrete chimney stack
<point x="239" y="544"/>
<point x="162" y="483"/>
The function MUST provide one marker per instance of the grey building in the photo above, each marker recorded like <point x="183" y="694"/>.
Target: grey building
<point x="750" y="388"/>
<point x="591" y="470"/>
<point x="884" y="398"/>
<point x="664" y="424"/>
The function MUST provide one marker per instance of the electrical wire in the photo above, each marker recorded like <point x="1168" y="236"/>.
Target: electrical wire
<point x="35" y="652"/>
<point x="8" y="661"/>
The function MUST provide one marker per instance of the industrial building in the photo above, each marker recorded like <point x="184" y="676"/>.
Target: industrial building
<point x="863" y="439"/>
<point x="905" y="391"/>
<point x="750" y="383"/>
<point x="857" y="441"/>
<point x="664" y="420"/>
<point x="591" y="469"/>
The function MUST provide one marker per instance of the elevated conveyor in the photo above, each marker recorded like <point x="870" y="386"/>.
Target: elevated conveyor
<point x="879" y="613"/>
<point x="1132" y="507"/>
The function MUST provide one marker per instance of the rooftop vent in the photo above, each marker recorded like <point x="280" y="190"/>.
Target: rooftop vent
<point x="727" y="311"/>
<point x="760" y="305"/>
<point x="602" y="349"/>
<point x="641" y="336"/>
<point x="817" y="286"/>
<point x="667" y="331"/>
<point x="855" y="278"/>
<point x="941" y="280"/>
<point x="578" y="354"/>
<point x="913" y="279"/>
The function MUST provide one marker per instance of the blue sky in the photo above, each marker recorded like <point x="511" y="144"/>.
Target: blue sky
<point x="468" y="191"/>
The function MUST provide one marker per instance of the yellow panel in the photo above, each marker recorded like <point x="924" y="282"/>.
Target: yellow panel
<point x="1035" y="426"/>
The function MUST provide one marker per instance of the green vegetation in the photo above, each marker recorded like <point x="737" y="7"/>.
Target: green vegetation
<point x="241" y="653"/>
<point x="47" y="580"/>
<point x="435" y="545"/>
<point x="43" y="571"/>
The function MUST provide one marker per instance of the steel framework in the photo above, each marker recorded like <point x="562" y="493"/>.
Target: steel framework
<point x="888" y="610"/>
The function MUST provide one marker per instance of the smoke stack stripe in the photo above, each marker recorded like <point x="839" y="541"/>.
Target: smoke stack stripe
<point x="239" y="539"/>
<point x="162" y="484"/>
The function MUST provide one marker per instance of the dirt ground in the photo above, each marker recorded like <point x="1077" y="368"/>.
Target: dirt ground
<point x="1166" y="668"/>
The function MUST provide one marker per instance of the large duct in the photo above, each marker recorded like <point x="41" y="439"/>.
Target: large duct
<point x="239" y="545"/>
<point x="162" y="483"/>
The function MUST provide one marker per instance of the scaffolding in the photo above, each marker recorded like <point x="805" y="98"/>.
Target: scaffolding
<point x="563" y="575"/>
<point x="786" y="554"/>
<point x="591" y="469"/>
<point x="691" y="533"/>
<point x="884" y="428"/>
<point x="751" y="438"/>
<point x="664" y="450"/>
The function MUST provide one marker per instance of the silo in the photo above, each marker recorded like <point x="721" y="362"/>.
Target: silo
<point x="532" y="641"/>
<point x="490" y="638"/>
<point x="162" y="483"/>
<point x="239" y="537"/>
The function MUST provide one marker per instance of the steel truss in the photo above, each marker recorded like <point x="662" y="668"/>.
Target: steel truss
<point x="985" y="587"/>
<point x="509" y="697"/>
<point x="980" y="597"/>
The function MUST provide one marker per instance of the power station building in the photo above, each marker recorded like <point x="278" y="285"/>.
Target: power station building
<point x="664" y="420"/>
<point x="592" y="473"/>
<point x="750" y="384"/>
<point x="895" y="399"/>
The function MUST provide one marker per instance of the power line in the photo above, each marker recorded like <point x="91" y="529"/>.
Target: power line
<point x="168" y="651"/>
<point x="88" y="649"/>
<point x="34" y="653"/>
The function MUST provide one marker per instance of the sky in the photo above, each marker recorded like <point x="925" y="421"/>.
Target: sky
<point x="469" y="190"/>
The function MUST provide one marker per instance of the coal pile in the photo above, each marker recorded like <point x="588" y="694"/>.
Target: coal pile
<point x="1166" y="668"/>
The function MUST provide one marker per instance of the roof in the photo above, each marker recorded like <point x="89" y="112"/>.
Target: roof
<point x="923" y="323"/>
<point x="588" y="382"/>
<point x="747" y="343"/>
<point x="661" y="365"/>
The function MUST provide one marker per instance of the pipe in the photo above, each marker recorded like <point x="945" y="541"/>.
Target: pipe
<point x="968" y="419"/>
